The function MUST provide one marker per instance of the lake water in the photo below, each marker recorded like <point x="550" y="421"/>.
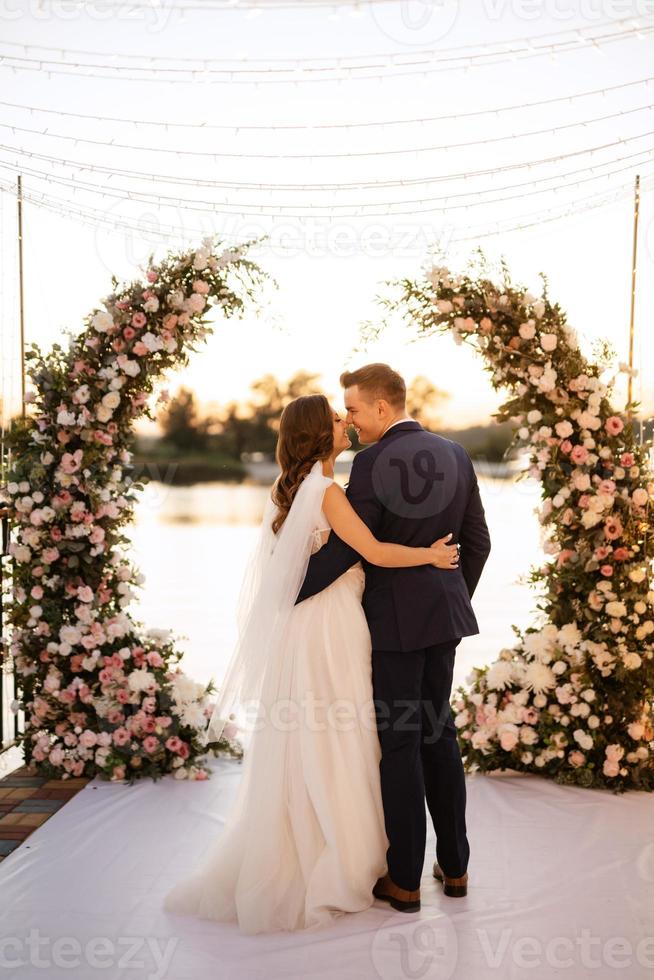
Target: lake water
<point x="192" y="543"/>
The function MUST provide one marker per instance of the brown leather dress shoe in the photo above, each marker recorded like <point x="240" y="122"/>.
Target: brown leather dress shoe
<point x="454" y="887"/>
<point x="400" y="899"/>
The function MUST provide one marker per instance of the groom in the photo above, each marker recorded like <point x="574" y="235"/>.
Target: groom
<point x="411" y="487"/>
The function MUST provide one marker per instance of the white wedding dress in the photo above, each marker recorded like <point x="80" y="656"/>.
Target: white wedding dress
<point x="305" y="840"/>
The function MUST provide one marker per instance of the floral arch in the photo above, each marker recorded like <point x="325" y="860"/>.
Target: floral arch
<point x="573" y="698"/>
<point x="102" y="695"/>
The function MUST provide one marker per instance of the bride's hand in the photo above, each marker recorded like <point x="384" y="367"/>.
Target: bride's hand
<point x="445" y="555"/>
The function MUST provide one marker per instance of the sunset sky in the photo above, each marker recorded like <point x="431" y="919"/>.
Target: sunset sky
<point x="334" y="264"/>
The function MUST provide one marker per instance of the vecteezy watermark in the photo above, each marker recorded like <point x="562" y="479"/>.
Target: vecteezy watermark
<point x="314" y="237"/>
<point x="423" y="949"/>
<point x="428" y="949"/>
<point x="585" y="949"/>
<point x="45" y="953"/>
<point x="591" y="11"/>
<point x="153" y="14"/>
<point x="319" y="714"/>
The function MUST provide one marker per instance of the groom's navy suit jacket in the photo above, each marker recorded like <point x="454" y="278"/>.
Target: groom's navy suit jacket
<point x="411" y="488"/>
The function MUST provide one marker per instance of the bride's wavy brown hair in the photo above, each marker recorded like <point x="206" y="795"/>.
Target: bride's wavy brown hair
<point x="306" y="434"/>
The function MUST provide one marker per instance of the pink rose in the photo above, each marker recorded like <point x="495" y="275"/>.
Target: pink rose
<point x="139" y="319"/>
<point x="606" y="570"/>
<point x="139" y="349"/>
<point x="579" y="455"/>
<point x="85" y="593"/>
<point x="121" y="736"/>
<point x="154" y="658"/>
<point x="576" y="759"/>
<point x="150" y="743"/>
<point x="485" y="324"/>
<point x="621" y="554"/>
<point x="71" y="462"/>
<point x="611" y="768"/>
<point x="129" y="333"/>
<point x="174" y="743"/>
<point x="614" y="425"/>
<point x="151" y="275"/>
<point x="612" y="528"/>
<point x="566" y="446"/>
<point x="627" y="459"/>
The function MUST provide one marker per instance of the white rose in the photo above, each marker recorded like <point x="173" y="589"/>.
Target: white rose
<point x="151" y="342"/>
<point x="527" y="330"/>
<point x="548" y="341"/>
<point x="582" y="738"/>
<point x="616" y="608"/>
<point x="539" y="308"/>
<point x="563" y="429"/>
<point x="102" y="321"/>
<point x="131" y="368"/>
<point x="111" y="399"/>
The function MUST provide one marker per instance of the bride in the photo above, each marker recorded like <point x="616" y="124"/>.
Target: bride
<point x="305" y="840"/>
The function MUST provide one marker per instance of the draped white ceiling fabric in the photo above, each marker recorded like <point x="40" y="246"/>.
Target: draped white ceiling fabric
<point x="561" y="884"/>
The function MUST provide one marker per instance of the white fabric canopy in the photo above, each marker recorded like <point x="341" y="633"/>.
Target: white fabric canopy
<point x="561" y="884"/>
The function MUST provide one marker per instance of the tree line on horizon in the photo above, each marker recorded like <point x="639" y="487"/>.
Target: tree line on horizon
<point x="241" y="429"/>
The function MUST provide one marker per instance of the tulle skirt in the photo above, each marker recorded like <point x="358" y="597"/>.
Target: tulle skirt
<point x="305" y="839"/>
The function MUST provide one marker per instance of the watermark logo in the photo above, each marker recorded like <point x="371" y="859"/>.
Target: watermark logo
<point x="425" y="949"/>
<point x="416" y="22"/>
<point x="415" y="481"/>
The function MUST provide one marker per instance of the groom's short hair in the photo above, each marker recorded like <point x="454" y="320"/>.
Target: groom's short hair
<point x="378" y="381"/>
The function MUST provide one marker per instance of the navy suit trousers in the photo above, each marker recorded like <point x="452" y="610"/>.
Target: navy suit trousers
<point x="420" y="759"/>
